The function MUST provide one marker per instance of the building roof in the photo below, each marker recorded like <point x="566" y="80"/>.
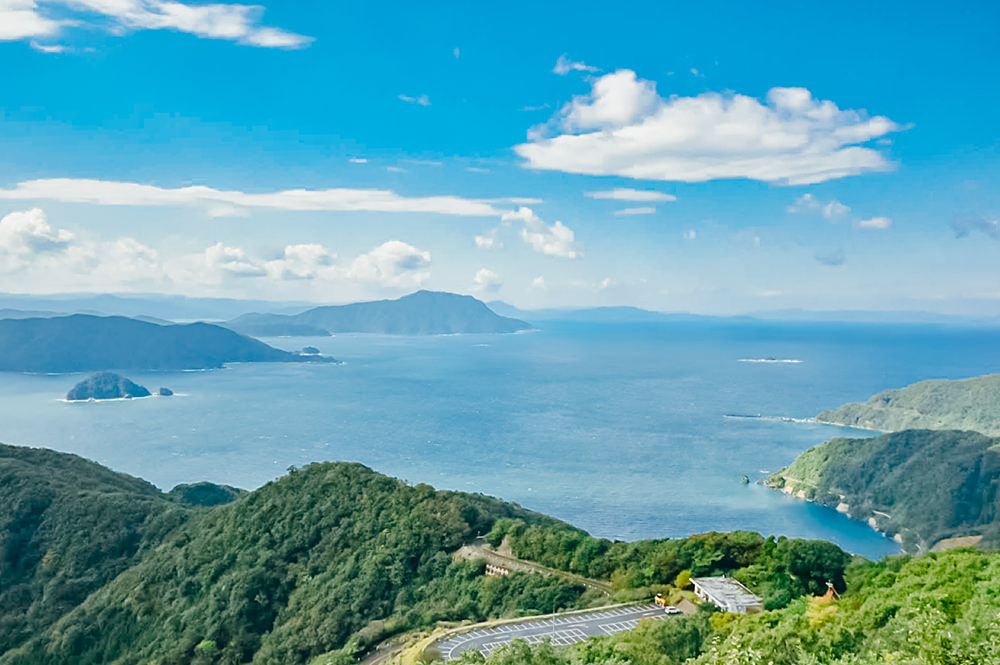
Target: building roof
<point x="727" y="591"/>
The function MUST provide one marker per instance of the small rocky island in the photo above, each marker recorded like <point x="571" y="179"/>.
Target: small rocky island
<point x="108" y="385"/>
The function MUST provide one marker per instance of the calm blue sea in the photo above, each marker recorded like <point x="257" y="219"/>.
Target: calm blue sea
<point x="620" y="429"/>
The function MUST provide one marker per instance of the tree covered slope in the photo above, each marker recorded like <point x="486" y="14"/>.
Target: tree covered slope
<point x="67" y="528"/>
<point x="924" y="485"/>
<point x="968" y="404"/>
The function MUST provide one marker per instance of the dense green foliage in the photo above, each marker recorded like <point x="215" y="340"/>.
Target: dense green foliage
<point x="205" y="494"/>
<point x="82" y="343"/>
<point x="777" y="569"/>
<point x="67" y="527"/>
<point x="332" y="555"/>
<point x="925" y="485"/>
<point x="420" y="313"/>
<point x="106" y="385"/>
<point x="939" y="609"/>
<point x="968" y="404"/>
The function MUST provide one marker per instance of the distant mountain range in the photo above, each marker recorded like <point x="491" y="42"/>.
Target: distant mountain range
<point x="420" y="313"/>
<point x="81" y="343"/>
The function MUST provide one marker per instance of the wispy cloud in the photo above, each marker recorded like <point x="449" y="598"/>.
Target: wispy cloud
<point x="626" y="194"/>
<point x="421" y="100"/>
<point x="881" y="223"/>
<point x="227" y="203"/>
<point x="831" y="257"/>
<point x="625" y="128"/>
<point x="564" y="66"/>
<point x="643" y="210"/>
<point x="963" y="226"/>
<point x="31" y="19"/>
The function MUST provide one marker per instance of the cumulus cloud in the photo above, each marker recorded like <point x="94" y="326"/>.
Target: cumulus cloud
<point x="831" y="210"/>
<point x="106" y="192"/>
<point x="25" y="19"/>
<point x="40" y="255"/>
<point x="642" y="210"/>
<point x="875" y="223"/>
<point x="835" y="210"/>
<point x="832" y="257"/>
<point x="564" y="66"/>
<point x="305" y="261"/>
<point x="487" y="281"/>
<point x="392" y="264"/>
<point x="489" y="241"/>
<point x="626" y="194"/>
<point x="555" y="239"/>
<point x="538" y="284"/>
<point x="422" y="100"/>
<point x="963" y="226"/>
<point x="232" y="260"/>
<point x="623" y="127"/>
<point x="27" y="233"/>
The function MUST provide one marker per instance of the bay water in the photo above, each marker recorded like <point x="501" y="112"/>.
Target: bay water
<point x="627" y="430"/>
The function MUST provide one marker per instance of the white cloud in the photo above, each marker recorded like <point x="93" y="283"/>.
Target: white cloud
<point x="305" y="261"/>
<point x="232" y="260"/>
<point x="875" y="223"/>
<point x="805" y="203"/>
<point x="46" y="48"/>
<point x="554" y="240"/>
<point x="422" y="100"/>
<point x="395" y="169"/>
<point x="625" y="128"/>
<point x="538" y="284"/>
<point x="457" y="53"/>
<point x="358" y="160"/>
<point x="25" y="234"/>
<point x="626" y="194"/>
<point x="487" y="281"/>
<point x="22" y="19"/>
<point x="564" y="66"/>
<point x="606" y="283"/>
<point x="104" y="192"/>
<point x="489" y="241"/>
<point x="643" y="210"/>
<point x="690" y="234"/>
<point x="835" y="210"/>
<point x="477" y="169"/>
<point x="392" y="264"/>
<point x="831" y="210"/>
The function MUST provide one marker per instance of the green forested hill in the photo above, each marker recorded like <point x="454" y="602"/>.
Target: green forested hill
<point x="332" y="555"/>
<point x="968" y="404"/>
<point x="67" y="527"/>
<point x="922" y="484"/>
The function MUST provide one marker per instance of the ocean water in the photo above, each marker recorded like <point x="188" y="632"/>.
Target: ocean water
<point x="620" y="429"/>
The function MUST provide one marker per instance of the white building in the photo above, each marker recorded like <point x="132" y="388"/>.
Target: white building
<point x="727" y="594"/>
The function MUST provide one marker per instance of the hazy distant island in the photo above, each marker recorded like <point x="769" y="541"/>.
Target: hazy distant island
<point x="106" y="385"/>
<point x="81" y="343"/>
<point x="420" y="313"/>
<point x="968" y="404"/>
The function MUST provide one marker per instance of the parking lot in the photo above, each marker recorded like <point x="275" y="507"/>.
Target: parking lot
<point x="561" y="630"/>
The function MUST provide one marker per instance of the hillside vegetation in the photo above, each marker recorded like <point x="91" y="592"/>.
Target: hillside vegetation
<point x="968" y="404"/>
<point x="939" y="609"/>
<point x="924" y="485"/>
<point x="325" y="562"/>
<point x="67" y="528"/>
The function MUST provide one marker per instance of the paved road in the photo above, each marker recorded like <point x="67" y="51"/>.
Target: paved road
<point x="560" y="631"/>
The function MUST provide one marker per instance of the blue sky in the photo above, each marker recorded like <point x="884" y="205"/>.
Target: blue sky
<point x="716" y="158"/>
